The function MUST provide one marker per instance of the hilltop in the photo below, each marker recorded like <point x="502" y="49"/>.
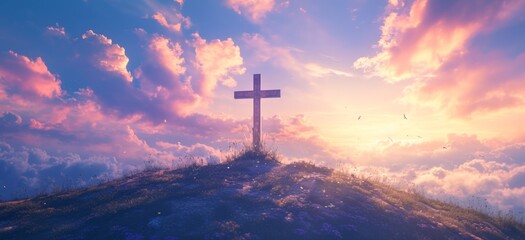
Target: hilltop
<point x="251" y="197"/>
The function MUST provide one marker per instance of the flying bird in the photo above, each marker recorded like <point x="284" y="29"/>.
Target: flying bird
<point x="358" y="118"/>
<point x="405" y="116"/>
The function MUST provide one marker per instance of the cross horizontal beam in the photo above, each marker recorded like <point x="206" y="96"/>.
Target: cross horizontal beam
<point x="274" y="93"/>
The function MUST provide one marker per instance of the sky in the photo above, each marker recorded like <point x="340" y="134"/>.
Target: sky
<point x="427" y="94"/>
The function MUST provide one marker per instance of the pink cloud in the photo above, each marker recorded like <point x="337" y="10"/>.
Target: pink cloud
<point x="20" y="75"/>
<point x="418" y="41"/>
<point x="164" y="77"/>
<point x="217" y="60"/>
<point x="431" y="43"/>
<point x="34" y="124"/>
<point x="176" y="17"/>
<point x="168" y="54"/>
<point x="478" y="83"/>
<point x="297" y="139"/>
<point x="252" y="9"/>
<point x="163" y="22"/>
<point x="79" y="127"/>
<point x="110" y="57"/>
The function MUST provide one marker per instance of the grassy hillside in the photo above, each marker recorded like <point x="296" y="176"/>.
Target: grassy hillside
<point x="251" y="197"/>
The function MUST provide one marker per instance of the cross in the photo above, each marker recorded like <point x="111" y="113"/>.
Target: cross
<point x="257" y="94"/>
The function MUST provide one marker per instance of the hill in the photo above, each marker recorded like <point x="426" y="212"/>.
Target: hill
<point x="251" y="197"/>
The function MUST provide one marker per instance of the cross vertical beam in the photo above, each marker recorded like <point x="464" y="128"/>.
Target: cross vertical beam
<point x="256" y="132"/>
<point x="256" y="95"/>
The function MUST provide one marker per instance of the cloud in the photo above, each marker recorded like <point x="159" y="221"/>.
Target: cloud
<point x="434" y="44"/>
<point x="396" y="3"/>
<point x="168" y="54"/>
<point x="109" y="147"/>
<point x="10" y="119"/>
<point x="264" y="51"/>
<point x="101" y="67"/>
<point x="56" y="30"/>
<point x="319" y="71"/>
<point x="487" y="175"/>
<point x="398" y="153"/>
<point x="123" y="122"/>
<point x="217" y="61"/>
<point x="21" y="76"/>
<point x="163" y="22"/>
<point x="419" y="41"/>
<point x="260" y="50"/>
<point x="254" y="10"/>
<point x="190" y="154"/>
<point x="176" y="17"/>
<point x="498" y="184"/>
<point x="163" y="76"/>
<point x="478" y="83"/>
<point x="298" y="140"/>
<point x="26" y="171"/>
<point x="110" y="57"/>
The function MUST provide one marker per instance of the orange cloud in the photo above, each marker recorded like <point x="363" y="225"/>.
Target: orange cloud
<point x="254" y="10"/>
<point x="163" y="22"/>
<point x="20" y="75"/>
<point x="217" y="60"/>
<point x="111" y="57"/>
<point x="177" y="17"/>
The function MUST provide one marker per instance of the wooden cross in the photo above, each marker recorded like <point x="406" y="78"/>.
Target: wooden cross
<point x="257" y="94"/>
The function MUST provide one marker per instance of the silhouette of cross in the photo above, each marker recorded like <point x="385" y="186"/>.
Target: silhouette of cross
<point x="257" y="94"/>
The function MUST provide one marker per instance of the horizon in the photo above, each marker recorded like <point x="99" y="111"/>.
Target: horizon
<point x="426" y="92"/>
